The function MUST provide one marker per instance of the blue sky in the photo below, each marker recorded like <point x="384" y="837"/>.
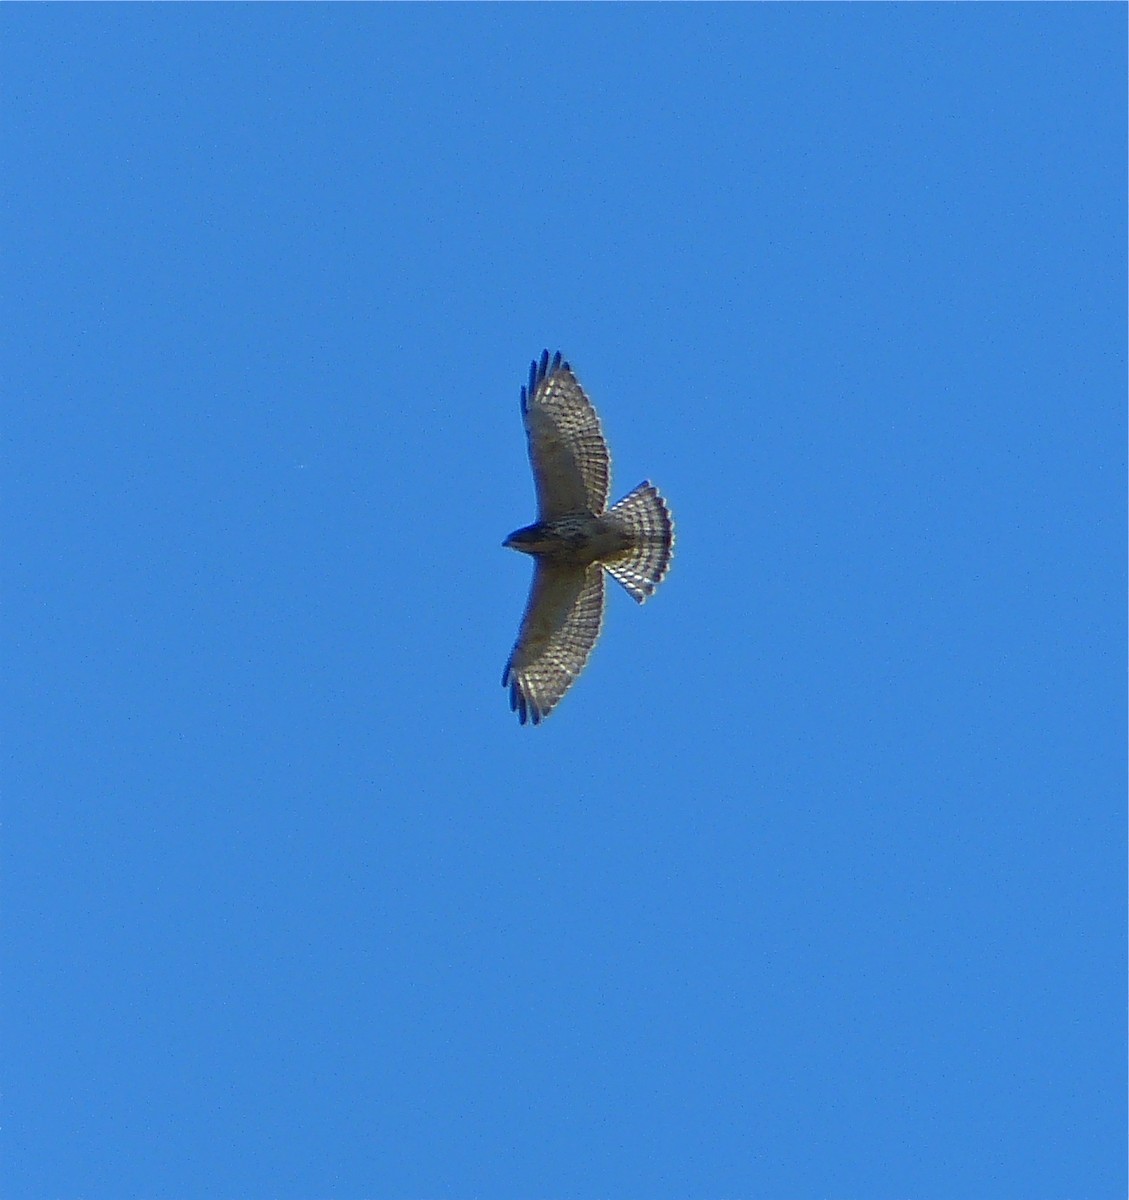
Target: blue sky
<point x="814" y="886"/>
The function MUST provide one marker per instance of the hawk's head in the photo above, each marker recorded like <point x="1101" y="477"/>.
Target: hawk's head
<point x="531" y="539"/>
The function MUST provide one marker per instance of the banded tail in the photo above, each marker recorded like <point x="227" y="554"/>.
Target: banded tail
<point x="644" y="515"/>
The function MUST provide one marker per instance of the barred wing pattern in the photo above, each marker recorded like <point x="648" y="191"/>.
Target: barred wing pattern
<point x="561" y="624"/>
<point x="570" y="459"/>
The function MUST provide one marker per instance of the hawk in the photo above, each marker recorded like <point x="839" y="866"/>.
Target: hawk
<point x="575" y="539"/>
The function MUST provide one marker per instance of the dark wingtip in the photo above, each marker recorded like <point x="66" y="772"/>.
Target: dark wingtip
<point x="528" y="712"/>
<point x="517" y="697"/>
<point x="539" y="370"/>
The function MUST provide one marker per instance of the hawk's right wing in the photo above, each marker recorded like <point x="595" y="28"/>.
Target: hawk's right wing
<point x="561" y="624"/>
<point x="571" y="464"/>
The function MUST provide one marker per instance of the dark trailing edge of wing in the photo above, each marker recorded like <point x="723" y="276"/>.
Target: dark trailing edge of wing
<point x="538" y="372"/>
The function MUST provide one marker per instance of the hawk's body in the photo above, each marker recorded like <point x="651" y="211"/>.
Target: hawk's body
<point x="575" y="539"/>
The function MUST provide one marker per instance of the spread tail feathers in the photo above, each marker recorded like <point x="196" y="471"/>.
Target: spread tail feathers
<point x="645" y="516"/>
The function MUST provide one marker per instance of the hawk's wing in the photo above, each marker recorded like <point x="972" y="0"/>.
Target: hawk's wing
<point x="561" y="624"/>
<point x="571" y="464"/>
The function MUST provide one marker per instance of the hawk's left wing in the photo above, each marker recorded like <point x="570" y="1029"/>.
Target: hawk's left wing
<point x="561" y="624"/>
<point x="571" y="464"/>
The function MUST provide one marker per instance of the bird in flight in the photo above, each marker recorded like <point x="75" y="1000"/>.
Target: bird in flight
<point x="575" y="539"/>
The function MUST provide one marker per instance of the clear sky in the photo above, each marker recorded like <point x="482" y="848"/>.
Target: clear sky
<point x="813" y="888"/>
